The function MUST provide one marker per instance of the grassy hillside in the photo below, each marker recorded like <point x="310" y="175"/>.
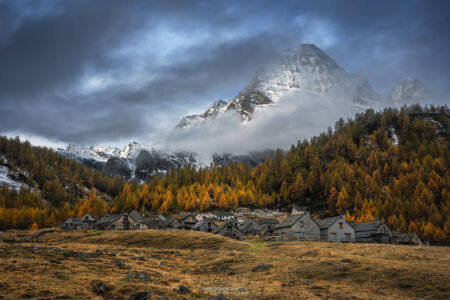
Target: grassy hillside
<point x="66" y="266"/>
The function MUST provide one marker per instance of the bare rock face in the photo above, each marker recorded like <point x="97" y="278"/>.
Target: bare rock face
<point x="117" y="167"/>
<point x="151" y="163"/>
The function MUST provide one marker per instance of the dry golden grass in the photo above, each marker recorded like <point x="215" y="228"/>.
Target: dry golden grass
<point x="209" y="264"/>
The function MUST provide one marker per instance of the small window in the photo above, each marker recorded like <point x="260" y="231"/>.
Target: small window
<point x="341" y="225"/>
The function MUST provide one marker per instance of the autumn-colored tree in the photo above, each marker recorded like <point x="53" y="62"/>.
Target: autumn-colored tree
<point x="332" y="200"/>
<point x="412" y="227"/>
<point x="342" y="200"/>
<point x="429" y="232"/>
<point x="34" y="226"/>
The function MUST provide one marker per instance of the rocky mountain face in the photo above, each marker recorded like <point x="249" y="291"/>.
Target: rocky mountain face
<point x="306" y="68"/>
<point x="251" y="159"/>
<point x="135" y="162"/>
<point x="131" y="162"/>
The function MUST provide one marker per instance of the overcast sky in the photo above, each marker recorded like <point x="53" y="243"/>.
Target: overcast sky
<point x="109" y="72"/>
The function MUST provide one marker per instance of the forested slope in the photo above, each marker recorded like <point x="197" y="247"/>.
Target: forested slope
<point x="391" y="164"/>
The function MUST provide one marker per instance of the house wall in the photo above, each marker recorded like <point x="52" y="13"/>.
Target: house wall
<point x="158" y="224"/>
<point x="204" y="227"/>
<point x="233" y="232"/>
<point x="383" y="228"/>
<point x="336" y="234"/>
<point x="305" y="227"/>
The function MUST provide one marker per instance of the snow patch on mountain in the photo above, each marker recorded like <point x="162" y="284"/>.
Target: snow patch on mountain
<point x="101" y="153"/>
<point x="9" y="177"/>
<point x="6" y="180"/>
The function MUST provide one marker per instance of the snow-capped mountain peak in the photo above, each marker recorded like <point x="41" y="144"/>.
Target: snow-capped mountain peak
<point x="306" y="68"/>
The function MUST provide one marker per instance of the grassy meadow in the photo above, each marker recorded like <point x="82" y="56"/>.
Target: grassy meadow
<point x="51" y="264"/>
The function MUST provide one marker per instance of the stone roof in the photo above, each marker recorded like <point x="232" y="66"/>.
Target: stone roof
<point x="135" y="215"/>
<point x="185" y="217"/>
<point x="92" y="217"/>
<point x="369" y="226"/>
<point x="328" y="222"/>
<point x="159" y="217"/>
<point x="268" y="221"/>
<point x="201" y="223"/>
<point x="107" y="219"/>
<point x="363" y="230"/>
<point x="408" y="238"/>
<point x="289" y="221"/>
<point x="164" y="219"/>
<point x="152" y="220"/>
<point x="233" y="223"/>
<point x="173" y="221"/>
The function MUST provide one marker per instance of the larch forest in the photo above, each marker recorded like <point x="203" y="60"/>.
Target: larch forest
<point x="391" y="164"/>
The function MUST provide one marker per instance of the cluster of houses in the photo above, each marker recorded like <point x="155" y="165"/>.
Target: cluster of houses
<point x="300" y="225"/>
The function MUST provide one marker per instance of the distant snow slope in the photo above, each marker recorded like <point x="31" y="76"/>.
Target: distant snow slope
<point x="101" y="153"/>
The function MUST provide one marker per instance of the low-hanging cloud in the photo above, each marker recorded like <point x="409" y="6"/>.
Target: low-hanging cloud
<point x="294" y="117"/>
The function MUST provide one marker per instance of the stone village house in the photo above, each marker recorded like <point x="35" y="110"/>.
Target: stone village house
<point x="119" y="221"/>
<point x="85" y="222"/>
<point x="188" y="221"/>
<point x="336" y="229"/>
<point x="373" y="232"/>
<point x="230" y="229"/>
<point x="409" y="238"/>
<point x="298" y="226"/>
<point x="205" y="226"/>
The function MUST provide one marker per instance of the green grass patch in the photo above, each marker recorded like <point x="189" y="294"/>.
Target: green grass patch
<point x="256" y="247"/>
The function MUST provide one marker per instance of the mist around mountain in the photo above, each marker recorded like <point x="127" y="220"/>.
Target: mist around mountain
<point x="294" y="96"/>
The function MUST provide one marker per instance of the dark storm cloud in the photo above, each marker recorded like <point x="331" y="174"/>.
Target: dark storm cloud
<point x="108" y="71"/>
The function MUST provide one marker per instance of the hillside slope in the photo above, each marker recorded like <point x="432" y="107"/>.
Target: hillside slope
<point x="391" y="164"/>
<point x="37" y="185"/>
